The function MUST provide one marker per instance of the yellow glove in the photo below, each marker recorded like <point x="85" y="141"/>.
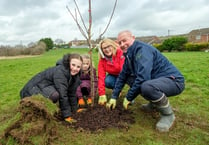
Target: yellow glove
<point x="81" y="110"/>
<point x="111" y="104"/>
<point x="102" y="100"/>
<point x="70" y="120"/>
<point x="126" y="103"/>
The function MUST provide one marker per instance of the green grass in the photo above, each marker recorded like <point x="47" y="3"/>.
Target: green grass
<point x="191" y="107"/>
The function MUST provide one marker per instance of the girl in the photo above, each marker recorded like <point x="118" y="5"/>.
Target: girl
<point x="58" y="83"/>
<point x="84" y="89"/>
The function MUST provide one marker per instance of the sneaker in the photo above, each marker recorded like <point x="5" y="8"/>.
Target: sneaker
<point x="81" y="102"/>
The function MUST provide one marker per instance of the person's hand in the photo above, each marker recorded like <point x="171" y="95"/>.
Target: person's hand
<point x="81" y="102"/>
<point x="111" y="104"/>
<point x="81" y="110"/>
<point x="126" y="103"/>
<point x="70" y="120"/>
<point x="102" y="100"/>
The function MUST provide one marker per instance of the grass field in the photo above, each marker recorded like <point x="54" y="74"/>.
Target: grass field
<point x="191" y="107"/>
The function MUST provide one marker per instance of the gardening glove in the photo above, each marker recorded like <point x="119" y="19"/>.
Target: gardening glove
<point x="81" y="102"/>
<point x="102" y="100"/>
<point x="126" y="103"/>
<point x="89" y="101"/>
<point x="81" y="110"/>
<point x="70" y="120"/>
<point x="111" y="104"/>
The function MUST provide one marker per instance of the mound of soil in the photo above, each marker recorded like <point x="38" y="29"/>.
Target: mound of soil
<point x="98" y="118"/>
<point x="34" y="120"/>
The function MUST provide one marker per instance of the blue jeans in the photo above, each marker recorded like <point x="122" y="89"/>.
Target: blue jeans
<point x="110" y="81"/>
<point x="154" y="89"/>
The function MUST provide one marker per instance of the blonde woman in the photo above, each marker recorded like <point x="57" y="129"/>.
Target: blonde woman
<point x="111" y="61"/>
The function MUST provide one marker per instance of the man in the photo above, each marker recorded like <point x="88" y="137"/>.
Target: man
<point x="150" y="74"/>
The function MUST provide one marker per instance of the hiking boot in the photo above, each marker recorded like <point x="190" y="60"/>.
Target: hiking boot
<point x="149" y="107"/>
<point x="81" y="102"/>
<point x="167" y="119"/>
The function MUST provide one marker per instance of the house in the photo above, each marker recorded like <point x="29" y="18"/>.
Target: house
<point x="80" y="43"/>
<point x="199" y="35"/>
<point x="149" y="39"/>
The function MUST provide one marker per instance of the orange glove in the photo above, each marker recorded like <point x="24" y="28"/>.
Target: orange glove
<point x="81" y="102"/>
<point x="70" y="120"/>
<point x="81" y="110"/>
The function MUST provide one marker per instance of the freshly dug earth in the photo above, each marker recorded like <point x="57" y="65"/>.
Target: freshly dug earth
<point x="98" y="118"/>
<point x="36" y="120"/>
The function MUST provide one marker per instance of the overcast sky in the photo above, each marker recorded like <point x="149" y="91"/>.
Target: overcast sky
<point x="25" y="21"/>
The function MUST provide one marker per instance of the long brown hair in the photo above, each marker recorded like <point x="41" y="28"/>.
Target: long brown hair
<point x="68" y="57"/>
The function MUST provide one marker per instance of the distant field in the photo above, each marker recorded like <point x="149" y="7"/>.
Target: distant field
<point x="191" y="107"/>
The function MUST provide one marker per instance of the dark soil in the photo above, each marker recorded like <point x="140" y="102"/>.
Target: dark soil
<point x="98" y="118"/>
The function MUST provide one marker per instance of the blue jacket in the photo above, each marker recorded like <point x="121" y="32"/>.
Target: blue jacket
<point x="144" y="62"/>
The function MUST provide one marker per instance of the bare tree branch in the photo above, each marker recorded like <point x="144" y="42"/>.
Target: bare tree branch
<point x="80" y="15"/>
<point x="75" y="19"/>
<point x="100" y="36"/>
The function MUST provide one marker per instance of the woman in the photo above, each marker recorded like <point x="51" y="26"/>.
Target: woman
<point x="110" y="62"/>
<point x="58" y="83"/>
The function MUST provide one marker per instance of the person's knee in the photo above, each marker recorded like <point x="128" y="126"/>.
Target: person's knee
<point x="109" y="83"/>
<point x="54" y="97"/>
<point x="146" y="89"/>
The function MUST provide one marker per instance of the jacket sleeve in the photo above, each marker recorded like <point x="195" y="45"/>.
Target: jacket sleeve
<point x="62" y="84"/>
<point x="121" y="80"/>
<point x="72" y="93"/>
<point x="101" y="78"/>
<point x="143" y="64"/>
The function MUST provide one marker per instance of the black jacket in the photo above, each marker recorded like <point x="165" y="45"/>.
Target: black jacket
<point x="57" y="78"/>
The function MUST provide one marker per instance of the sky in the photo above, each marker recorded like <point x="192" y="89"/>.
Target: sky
<point x="26" y="21"/>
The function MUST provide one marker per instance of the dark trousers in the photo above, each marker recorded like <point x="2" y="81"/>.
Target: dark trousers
<point x="154" y="89"/>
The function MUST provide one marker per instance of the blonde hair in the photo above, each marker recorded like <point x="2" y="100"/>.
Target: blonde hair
<point x="109" y="42"/>
<point x="87" y="56"/>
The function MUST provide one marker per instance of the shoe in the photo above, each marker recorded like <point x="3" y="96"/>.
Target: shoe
<point x="89" y="101"/>
<point x="81" y="102"/>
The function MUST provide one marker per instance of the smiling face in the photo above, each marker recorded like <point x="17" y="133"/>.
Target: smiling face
<point x="86" y="64"/>
<point x="75" y="66"/>
<point x="107" y="49"/>
<point x="125" y="40"/>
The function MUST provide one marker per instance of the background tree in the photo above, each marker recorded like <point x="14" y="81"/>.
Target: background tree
<point x="49" y="43"/>
<point x="174" y="43"/>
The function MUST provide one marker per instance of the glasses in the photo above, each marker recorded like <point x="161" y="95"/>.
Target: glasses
<point x="108" y="46"/>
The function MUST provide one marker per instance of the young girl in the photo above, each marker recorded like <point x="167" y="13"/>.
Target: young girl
<point x="58" y="83"/>
<point x="84" y="89"/>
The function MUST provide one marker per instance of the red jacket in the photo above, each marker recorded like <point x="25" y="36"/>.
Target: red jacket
<point x="113" y="67"/>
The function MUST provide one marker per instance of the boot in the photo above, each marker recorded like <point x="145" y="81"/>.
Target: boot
<point x="167" y="116"/>
<point x="167" y="119"/>
<point x="149" y="107"/>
